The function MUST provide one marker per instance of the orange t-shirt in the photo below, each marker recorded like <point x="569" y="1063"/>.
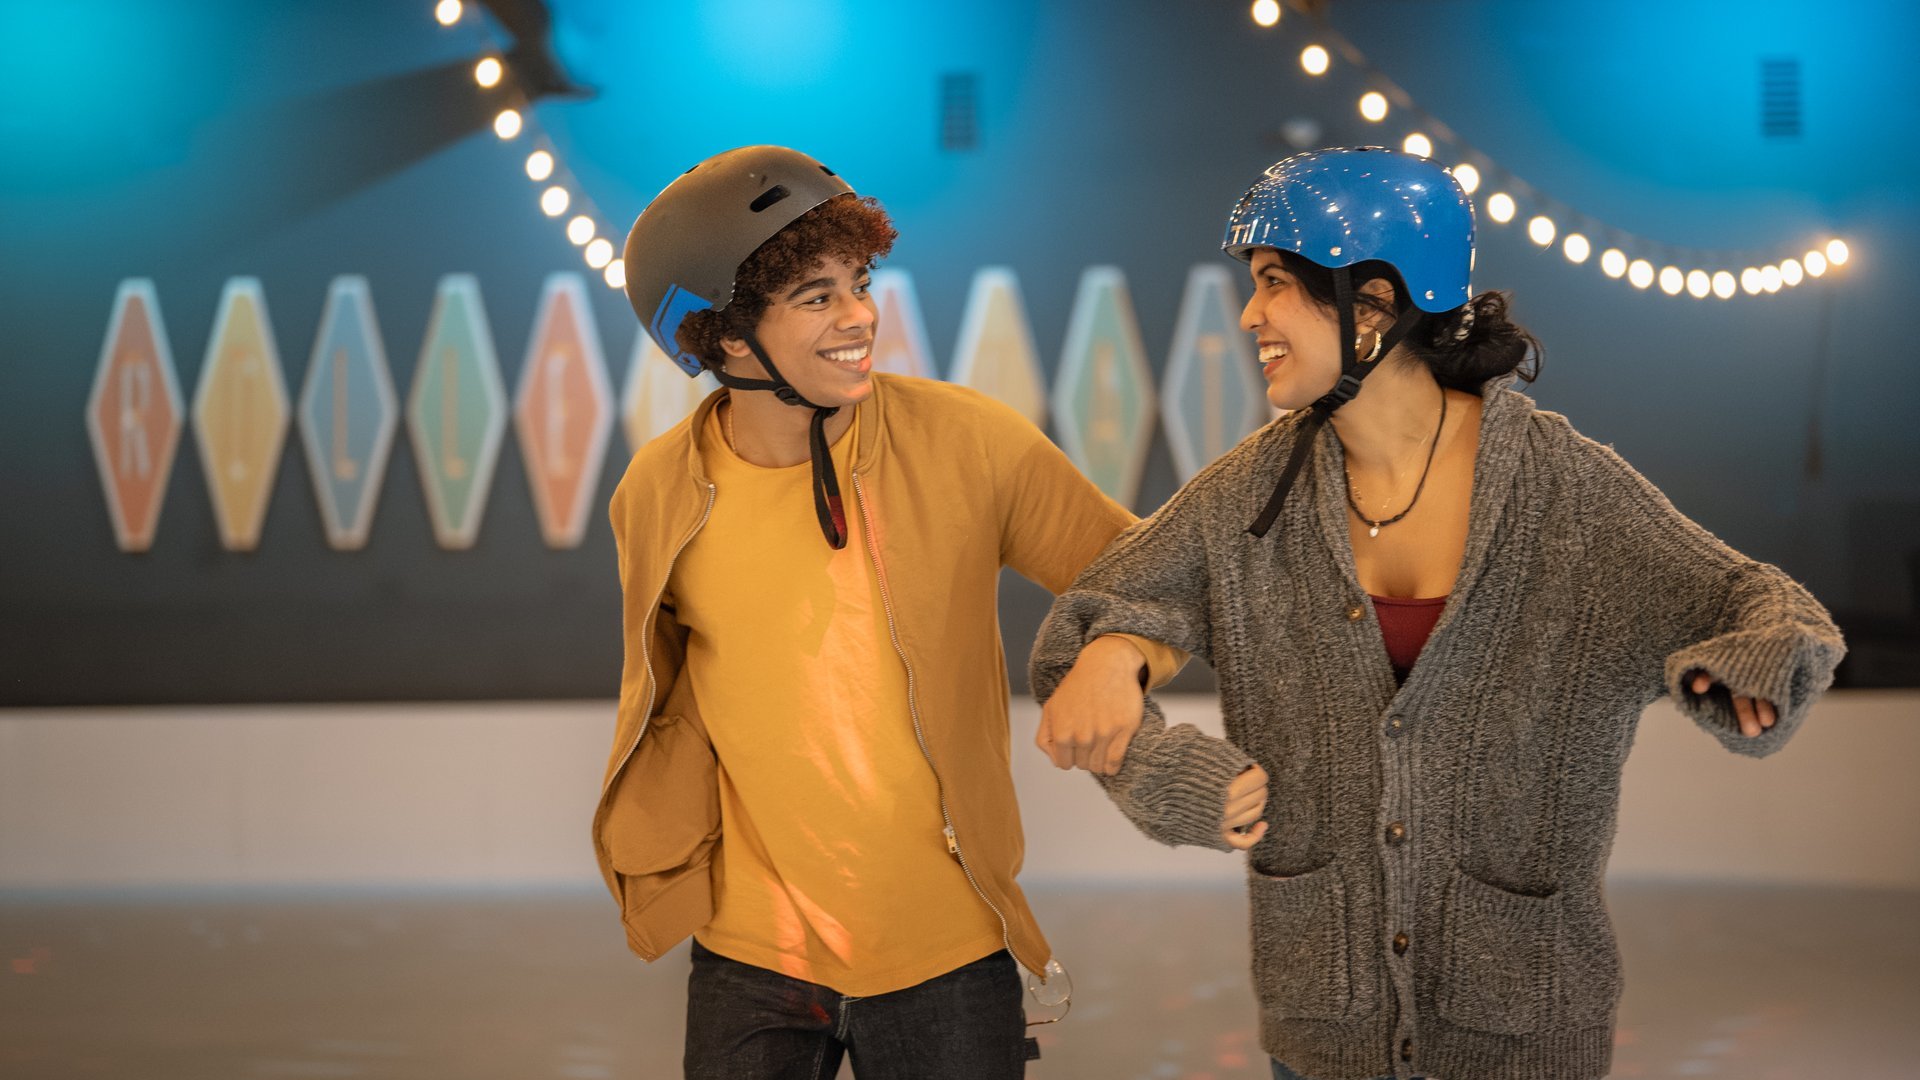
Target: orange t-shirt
<point x="834" y="865"/>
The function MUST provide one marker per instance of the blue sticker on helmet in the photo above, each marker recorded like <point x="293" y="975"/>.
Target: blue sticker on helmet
<point x="675" y="307"/>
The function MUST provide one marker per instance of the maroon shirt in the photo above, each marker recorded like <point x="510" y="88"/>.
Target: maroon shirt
<point x="1406" y="624"/>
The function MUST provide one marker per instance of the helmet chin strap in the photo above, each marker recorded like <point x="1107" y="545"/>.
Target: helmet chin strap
<point x="1353" y="368"/>
<point x="827" y="506"/>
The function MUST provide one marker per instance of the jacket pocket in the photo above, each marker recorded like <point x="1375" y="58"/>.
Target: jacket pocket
<point x="1498" y="957"/>
<point x="1302" y="965"/>
<point x="665" y="804"/>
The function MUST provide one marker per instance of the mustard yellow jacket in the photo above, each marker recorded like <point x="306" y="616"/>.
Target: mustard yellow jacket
<point x="948" y="487"/>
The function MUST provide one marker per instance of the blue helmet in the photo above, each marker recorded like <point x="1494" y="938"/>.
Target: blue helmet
<point x="1345" y="206"/>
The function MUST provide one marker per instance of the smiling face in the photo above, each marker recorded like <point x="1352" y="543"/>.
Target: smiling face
<point x="819" y="333"/>
<point x="1298" y="338"/>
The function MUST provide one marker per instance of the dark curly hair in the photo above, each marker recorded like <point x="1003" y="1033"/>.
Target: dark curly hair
<point x="1493" y="345"/>
<point x="847" y="228"/>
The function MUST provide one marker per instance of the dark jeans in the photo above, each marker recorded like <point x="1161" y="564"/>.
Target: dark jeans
<point x="1281" y="1072"/>
<point x="748" y="1023"/>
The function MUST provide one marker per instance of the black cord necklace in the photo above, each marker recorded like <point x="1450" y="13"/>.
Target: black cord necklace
<point x="1374" y="527"/>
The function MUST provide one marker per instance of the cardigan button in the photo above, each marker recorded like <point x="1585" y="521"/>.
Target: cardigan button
<point x="1406" y="1050"/>
<point x="1396" y="834"/>
<point x="1400" y="943"/>
<point x="1356" y="613"/>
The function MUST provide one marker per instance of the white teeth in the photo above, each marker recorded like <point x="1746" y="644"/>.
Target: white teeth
<point x="1270" y="353"/>
<point x="848" y="356"/>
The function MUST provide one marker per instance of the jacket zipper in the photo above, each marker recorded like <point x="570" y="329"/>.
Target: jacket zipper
<point x="913" y="710"/>
<point x="646" y="715"/>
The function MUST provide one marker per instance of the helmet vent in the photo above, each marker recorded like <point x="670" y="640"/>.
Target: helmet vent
<point x="768" y="197"/>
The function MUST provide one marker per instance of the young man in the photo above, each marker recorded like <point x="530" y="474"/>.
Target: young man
<point x="810" y="772"/>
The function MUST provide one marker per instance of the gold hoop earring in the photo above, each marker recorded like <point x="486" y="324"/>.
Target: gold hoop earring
<point x="1379" y="339"/>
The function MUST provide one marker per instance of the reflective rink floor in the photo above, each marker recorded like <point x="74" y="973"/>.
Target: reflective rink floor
<point x="1723" y="981"/>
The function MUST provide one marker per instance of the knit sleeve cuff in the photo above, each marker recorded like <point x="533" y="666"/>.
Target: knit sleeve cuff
<point x="1163" y="661"/>
<point x="1776" y="665"/>
<point x="1173" y="783"/>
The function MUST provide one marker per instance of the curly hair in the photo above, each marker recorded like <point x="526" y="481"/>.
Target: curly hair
<point x="847" y="228"/>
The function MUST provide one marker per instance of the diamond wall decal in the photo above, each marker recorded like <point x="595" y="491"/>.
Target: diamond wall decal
<point x="995" y="353"/>
<point x="348" y="413"/>
<point x="900" y="340"/>
<point x="1103" y="398"/>
<point x="1212" y="395"/>
<point x="240" y="414"/>
<point x="563" y="410"/>
<point x="657" y="394"/>
<point x="133" y="414"/>
<point x="457" y="412"/>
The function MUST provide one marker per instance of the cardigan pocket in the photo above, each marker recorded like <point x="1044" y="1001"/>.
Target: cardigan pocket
<point x="1302" y="965"/>
<point x="1498" y="954"/>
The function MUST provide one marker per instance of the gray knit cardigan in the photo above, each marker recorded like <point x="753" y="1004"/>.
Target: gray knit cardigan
<point x="1427" y="900"/>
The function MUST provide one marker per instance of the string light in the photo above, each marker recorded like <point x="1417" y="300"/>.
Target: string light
<point x="1750" y="281"/>
<point x="616" y="274"/>
<point x="507" y="124"/>
<point x="487" y="73"/>
<point x="554" y="200"/>
<point x="1544" y="216"/>
<point x="580" y="230"/>
<point x="599" y="253"/>
<point x="447" y="12"/>
<point x="1770" y="278"/>
<point x="539" y="165"/>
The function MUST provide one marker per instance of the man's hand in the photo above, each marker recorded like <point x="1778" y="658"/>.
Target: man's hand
<point x="1246" y="802"/>
<point x="1754" y="714"/>
<point x="1093" y="715"/>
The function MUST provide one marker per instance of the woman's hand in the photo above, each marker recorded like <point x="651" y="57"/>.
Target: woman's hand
<point x="1755" y="715"/>
<point x="1246" y="802"/>
<point x="1093" y="714"/>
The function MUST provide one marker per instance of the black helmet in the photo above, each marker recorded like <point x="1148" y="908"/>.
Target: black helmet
<point x="686" y="247"/>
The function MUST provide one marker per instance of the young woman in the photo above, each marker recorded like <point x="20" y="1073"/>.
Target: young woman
<point x="1436" y="614"/>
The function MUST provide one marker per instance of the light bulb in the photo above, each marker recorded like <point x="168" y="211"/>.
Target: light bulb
<point x="1672" y="280"/>
<point x="554" y="200"/>
<point x="1699" y="285"/>
<point x="1613" y="262"/>
<point x="1541" y="231"/>
<point x="1418" y="145"/>
<point x="1640" y="273"/>
<point x="1266" y="12"/>
<point x="447" y="12"/>
<point x="599" y="253"/>
<point x="1837" y="252"/>
<point x="1750" y="281"/>
<point x="1468" y="176"/>
<point x="616" y="273"/>
<point x="580" y="229"/>
<point x="539" y="165"/>
<point x="1791" y="273"/>
<point x="1314" y="60"/>
<point x="507" y="124"/>
<point x="487" y="73"/>
<point x="1373" y="105"/>
<point x="1816" y="263"/>
<point x="1723" y="285"/>
<point x="1576" y="248"/>
<point x="1500" y="207"/>
<point x="1770" y="278"/>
